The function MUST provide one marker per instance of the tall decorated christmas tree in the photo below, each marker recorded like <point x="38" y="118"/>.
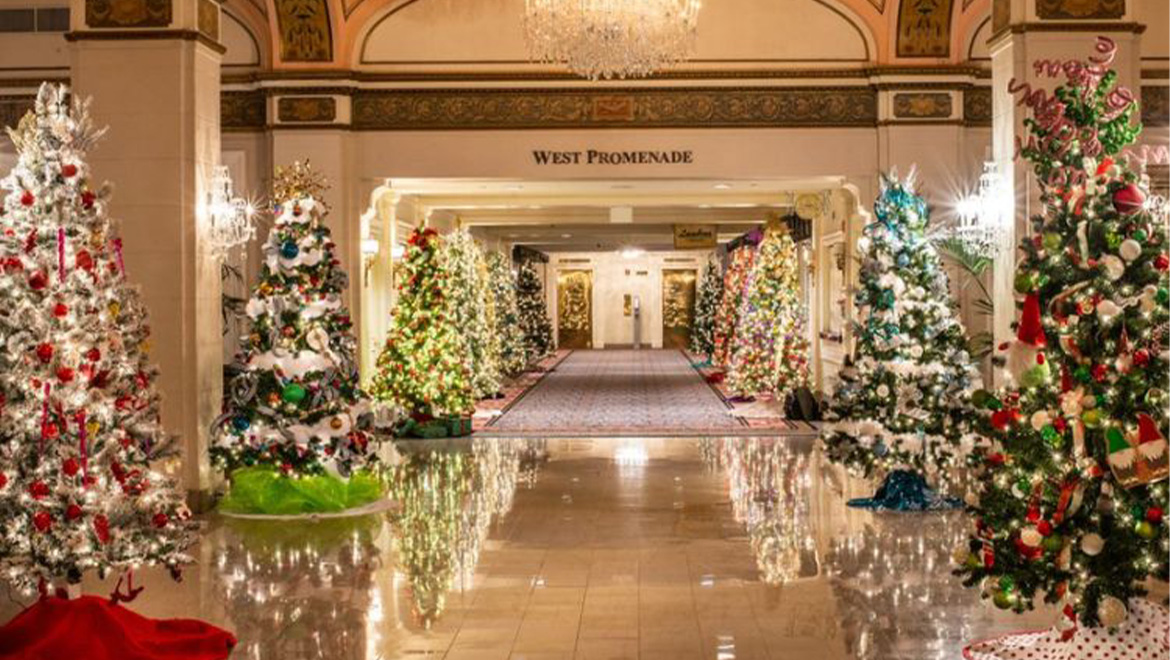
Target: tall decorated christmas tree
<point x="902" y="409"/>
<point x="731" y="302"/>
<point x="534" y="322"/>
<point x="502" y="289"/>
<point x="472" y="310"/>
<point x="422" y="367"/>
<point x="706" y="306"/>
<point x="295" y="406"/>
<point x="79" y="426"/>
<point x="769" y="351"/>
<point x="1073" y="492"/>
<point x="80" y="435"/>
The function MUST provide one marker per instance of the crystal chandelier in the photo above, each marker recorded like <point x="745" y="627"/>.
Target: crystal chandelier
<point x="229" y="218"/>
<point x="605" y="39"/>
<point x="983" y="215"/>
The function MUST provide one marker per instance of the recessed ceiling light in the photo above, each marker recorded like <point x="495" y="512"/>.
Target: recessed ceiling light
<point x="566" y="235"/>
<point x="516" y="187"/>
<point x="535" y="206"/>
<point x="513" y="235"/>
<point x="704" y="206"/>
<point x="722" y="186"/>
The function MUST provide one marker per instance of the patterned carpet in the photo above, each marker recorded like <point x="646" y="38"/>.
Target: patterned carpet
<point x="607" y="392"/>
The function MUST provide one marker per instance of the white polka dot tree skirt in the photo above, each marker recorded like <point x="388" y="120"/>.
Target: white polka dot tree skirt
<point x="1144" y="635"/>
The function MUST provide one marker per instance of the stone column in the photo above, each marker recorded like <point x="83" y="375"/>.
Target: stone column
<point x="153" y="70"/>
<point x="1025" y="31"/>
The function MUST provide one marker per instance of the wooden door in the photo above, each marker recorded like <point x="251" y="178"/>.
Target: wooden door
<point x="575" y="309"/>
<point x="678" y="307"/>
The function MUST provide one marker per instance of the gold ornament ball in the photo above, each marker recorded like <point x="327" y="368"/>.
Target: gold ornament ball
<point x="1111" y="611"/>
<point x="1092" y="544"/>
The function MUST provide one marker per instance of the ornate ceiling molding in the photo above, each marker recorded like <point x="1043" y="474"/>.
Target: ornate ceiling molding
<point x="613" y="108"/>
<point x="306" y="33"/>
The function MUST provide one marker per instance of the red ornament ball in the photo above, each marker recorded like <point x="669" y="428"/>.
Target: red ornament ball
<point x="38" y="489"/>
<point x="1128" y="199"/>
<point x="69" y="170"/>
<point x="1044" y="527"/>
<point x="65" y="374"/>
<point x="45" y="353"/>
<point x="43" y="520"/>
<point x="1141" y="357"/>
<point x="87" y="199"/>
<point x="60" y="310"/>
<point x="70" y="467"/>
<point x="1153" y="514"/>
<point x="51" y="431"/>
<point x="160" y="520"/>
<point x="1100" y="372"/>
<point x="27" y="199"/>
<point x="84" y="260"/>
<point x="72" y="512"/>
<point x="1162" y="262"/>
<point x="93" y="355"/>
<point x="38" y="281"/>
<point x="3" y="480"/>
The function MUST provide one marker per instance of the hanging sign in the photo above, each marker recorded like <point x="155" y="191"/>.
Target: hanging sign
<point x="694" y="237"/>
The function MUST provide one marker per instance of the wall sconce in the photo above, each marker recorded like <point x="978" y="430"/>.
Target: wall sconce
<point x="229" y="218"/>
<point x="370" y="249"/>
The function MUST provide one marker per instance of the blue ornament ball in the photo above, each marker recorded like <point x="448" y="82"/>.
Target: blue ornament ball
<point x="289" y="250"/>
<point x="903" y="261"/>
<point x="241" y="423"/>
<point x="880" y="449"/>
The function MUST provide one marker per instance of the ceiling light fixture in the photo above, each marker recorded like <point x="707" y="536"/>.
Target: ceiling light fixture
<point x="632" y="252"/>
<point x="606" y="39"/>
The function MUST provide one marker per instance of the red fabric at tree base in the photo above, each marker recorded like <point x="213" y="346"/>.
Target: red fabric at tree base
<point x="91" y="628"/>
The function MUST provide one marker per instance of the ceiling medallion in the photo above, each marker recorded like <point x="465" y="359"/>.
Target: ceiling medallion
<point x="606" y="39"/>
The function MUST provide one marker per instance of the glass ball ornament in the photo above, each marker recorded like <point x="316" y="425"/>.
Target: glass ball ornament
<point x="241" y="422"/>
<point x="289" y="250"/>
<point x="1111" y="611"/>
<point x="293" y="393"/>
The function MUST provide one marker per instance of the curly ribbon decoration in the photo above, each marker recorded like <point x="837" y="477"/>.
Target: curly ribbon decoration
<point x="131" y="591"/>
<point x="45" y="416"/>
<point x="118" y="252"/>
<point x="84" y="446"/>
<point x="61" y="253"/>
<point x="1147" y="155"/>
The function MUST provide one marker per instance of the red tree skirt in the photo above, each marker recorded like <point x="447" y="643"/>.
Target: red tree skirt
<point x="90" y="627"/>
<point x="1143" y="636"/>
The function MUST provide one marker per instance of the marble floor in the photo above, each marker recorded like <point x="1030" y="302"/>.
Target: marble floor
<point x="592" y="548"/>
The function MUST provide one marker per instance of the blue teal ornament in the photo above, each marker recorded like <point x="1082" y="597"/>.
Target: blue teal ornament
<point x="289" y="250"/>
<point x="903" y="261"/>
<point x="241" y="423"/>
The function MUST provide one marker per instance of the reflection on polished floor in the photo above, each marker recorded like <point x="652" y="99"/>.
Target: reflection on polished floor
<point x="593" y="548"/>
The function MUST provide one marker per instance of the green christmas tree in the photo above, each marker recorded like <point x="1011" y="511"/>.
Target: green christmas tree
<point x="769" y="353"/>
<point x="734" y="290"/>
<point x="295" y="404"/>
<point x="84" y="461"/>
<point x="534" y="322"/>
<point x="710" y="293"/>
<point x="472" y="310"/>
<point x="422" y="367"/>
<point x="502" y="289"/>
<point x="1073" y="494"/>
<point x="903" y="404"/>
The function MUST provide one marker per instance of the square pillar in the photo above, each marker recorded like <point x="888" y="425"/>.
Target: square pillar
<point x="154" y="77"/>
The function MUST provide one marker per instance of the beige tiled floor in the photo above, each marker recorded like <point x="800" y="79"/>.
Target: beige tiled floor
<point x="596" y="549"/>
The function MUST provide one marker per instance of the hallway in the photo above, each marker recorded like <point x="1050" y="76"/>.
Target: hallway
<point x="617" y="392"/>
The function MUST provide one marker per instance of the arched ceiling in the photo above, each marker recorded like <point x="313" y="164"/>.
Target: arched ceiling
<point x="334" y="34"/>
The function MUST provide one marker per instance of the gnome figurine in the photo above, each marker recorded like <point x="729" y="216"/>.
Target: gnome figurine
<point x="1026" y="360"/>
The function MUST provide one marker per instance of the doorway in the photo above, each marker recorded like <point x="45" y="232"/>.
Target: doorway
<point x="678" y="307"/>
<point x="575" y="309"/>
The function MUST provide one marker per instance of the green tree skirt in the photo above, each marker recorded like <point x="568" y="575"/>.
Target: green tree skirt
<point x="263" y="490"/>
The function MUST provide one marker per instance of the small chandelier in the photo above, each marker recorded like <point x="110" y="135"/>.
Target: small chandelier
<point x="983" y="214"/>
<point x="605" y="39"/>
<point x="229" y="218"/>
